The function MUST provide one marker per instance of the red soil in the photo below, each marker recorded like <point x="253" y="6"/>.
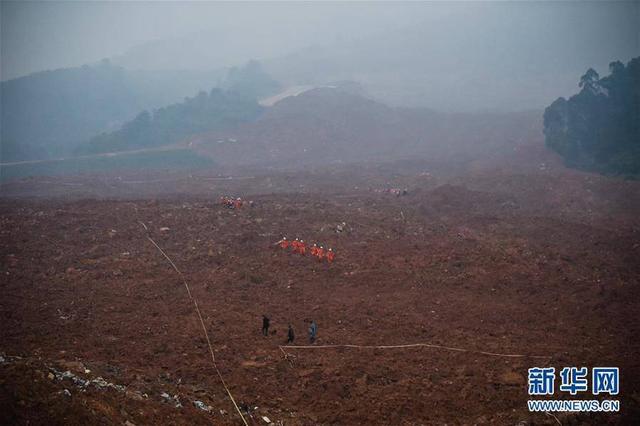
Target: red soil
<point x="541" y="264"/>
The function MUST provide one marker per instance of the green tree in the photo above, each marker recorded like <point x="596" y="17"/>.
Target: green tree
<point x="598" y="128"/>
<point x="589" y="81"/>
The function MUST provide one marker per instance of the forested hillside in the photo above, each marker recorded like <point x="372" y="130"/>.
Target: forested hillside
<point x="203" y="113"/>
<point x="48" y="114"/>
<point x="598" y="129"/>
<point x="217" y="110"/>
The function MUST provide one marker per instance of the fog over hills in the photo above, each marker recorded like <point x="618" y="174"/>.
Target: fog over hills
<point x="455" y="57"/>
<point x="328" y="126"/>
<point x="462" y="58"/>
<point x="183" y="35"/>
<point x="445" y="62"/>
<point x="48" y="114"/>
<point x="511" y="57"/>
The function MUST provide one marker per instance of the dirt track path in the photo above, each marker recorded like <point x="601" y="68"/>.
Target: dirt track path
<point x="101" y="155"/>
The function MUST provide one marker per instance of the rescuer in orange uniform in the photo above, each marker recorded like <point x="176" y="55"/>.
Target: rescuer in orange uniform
<point x="302" y="248"/>
<point x="330" y="256"/>
<point x="320" y="253"/>
<point x="284" y="243"/>
<point x="313" y="250"/>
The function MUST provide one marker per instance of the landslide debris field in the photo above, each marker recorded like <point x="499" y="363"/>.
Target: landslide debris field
<point x="97" y="328"/>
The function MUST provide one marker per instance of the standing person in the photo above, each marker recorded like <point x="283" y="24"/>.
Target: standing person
<point x="284" y="244"/>
<point x="302" y="248"/>
<point x="265" y="325"/>
<point x="313" y="332"/>
<point x="330" y="256"/>
<point x="314" y="249"/>
<point x="290" y="335"/>
<point x="320" y="253"/>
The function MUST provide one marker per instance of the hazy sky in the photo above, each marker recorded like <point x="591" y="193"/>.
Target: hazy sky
<point x="447" y="55"/>
<point x="46" y="35"/>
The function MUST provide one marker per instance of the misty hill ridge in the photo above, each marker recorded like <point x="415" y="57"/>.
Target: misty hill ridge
<point x="325" y="126"/>
<point x="50" y="113"/>
<point x="54" y="113"/>
<point x="456" y="64"/>
<point x="177" y="122"/>
<point x="236" y="103"/>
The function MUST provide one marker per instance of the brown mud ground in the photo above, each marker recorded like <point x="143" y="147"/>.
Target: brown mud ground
<point x="542" y="264"/>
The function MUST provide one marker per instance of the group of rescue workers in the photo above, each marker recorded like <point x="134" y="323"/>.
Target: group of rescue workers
<point x="297" y="246"/>
<point x="300" y="247"/>
<point x="234" y="203"/>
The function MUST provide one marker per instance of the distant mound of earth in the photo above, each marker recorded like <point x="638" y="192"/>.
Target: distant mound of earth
<point x="327" y="125"/>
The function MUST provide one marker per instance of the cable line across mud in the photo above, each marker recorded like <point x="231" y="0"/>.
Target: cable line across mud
<point x="334" y="346"/>
<point x="204" y="328"/>
<point x="413" y="345"/>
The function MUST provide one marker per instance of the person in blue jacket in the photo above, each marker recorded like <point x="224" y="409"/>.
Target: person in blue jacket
<point x="313" y="332"/>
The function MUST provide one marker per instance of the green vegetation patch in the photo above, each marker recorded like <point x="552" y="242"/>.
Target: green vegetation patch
<point x="599" y="128"/>
<point x="155" y="160"/>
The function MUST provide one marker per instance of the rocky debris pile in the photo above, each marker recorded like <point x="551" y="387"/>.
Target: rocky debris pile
<point x="98" y="382"/>
<point x="202" y="406"/>
<point x="172" y="399"/>
<point x="393" y="191"/>
<point x="234" y="203"/>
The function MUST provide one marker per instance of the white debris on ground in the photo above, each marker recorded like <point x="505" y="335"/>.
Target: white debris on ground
<point x="62" y="316"/>
<point x="202" y="406"/>
<point x="337" y="228"/>
<point x="172" y="399"/>
<point x="98" y="382"/>
<point x="102" y="383"/>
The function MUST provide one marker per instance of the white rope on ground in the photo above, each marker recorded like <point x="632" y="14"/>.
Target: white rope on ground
<point x="414" y="345"/>
<point x="551" y="415"/>
<point x="204" y="328"/>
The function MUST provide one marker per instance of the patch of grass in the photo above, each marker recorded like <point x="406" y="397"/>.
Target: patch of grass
<point x="174" y="159"/>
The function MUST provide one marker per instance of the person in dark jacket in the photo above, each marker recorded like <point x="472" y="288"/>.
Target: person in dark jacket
<point x="265" y="325"/>
<point x="290" y="335"/>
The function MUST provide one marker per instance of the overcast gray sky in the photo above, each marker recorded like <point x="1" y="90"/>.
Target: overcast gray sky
<point x="47" y="35"/>
<point x="453" y="55"/>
